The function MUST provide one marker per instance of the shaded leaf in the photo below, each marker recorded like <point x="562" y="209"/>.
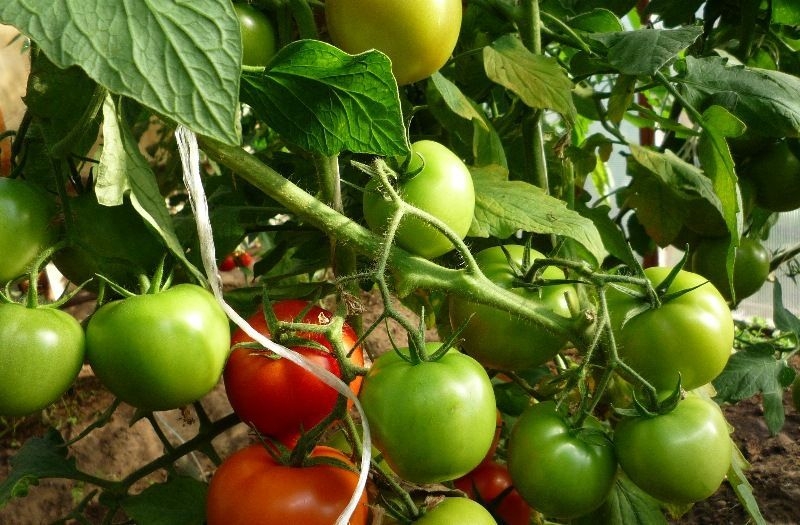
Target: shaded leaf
<point x="646" y="51"/>
<point x="626" y="504"/>
<point x="744" y="491"/>
<point x="178" y="501"/>
<point x="326" y="101"/>
<point x="456" y="100"/>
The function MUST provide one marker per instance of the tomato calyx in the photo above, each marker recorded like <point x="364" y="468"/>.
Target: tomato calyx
<point x="653" y="406"/>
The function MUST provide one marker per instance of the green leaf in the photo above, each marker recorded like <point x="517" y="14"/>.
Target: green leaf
<point x="180" y="59"/>
<point x="39" y="457"/>
<point x="456" y="100"/>
<point x="752" y="371"/>
<point x="502" y="207"/>
<point x="646" y="51"/>
<point x="784" y="319"/>
<point x="619" y="7"/>
<point x="768" y="102"/>
<point x="613" y="238"/>
<point x="326" y="101"/>
<point x="741" y="486"/>
<point x="621" y="98"/>
<point x="626" y="504"/>
<point x="538" y="80"/>
<point x="786" y="12"/>
<point x="673" y="13"/>
<point x="178" y="501"/>
<point x="123" y="169"/>
<point x="597" y="21"/>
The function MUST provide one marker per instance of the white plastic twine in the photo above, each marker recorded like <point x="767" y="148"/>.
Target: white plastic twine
<point x="190" y="159"/>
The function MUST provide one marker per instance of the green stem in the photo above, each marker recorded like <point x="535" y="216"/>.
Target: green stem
<point x="697" y="117"/>
<point x="535" y="160"/>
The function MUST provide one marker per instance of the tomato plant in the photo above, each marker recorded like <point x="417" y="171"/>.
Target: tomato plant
<point x="499" y="339"/>
<point x="41" y="353"/>
<point x="689" y="334"/>
<point x="251" y="486"/>
<point x="560" y="471"/>
<point x="432" y="420"/>
<point x="259" y="39"/>
<point x="417" y="36"/>
<point x="678" y="457"/>
<point x="277" y="397"/>
<point x="775" y="173"/>
<point x="433" y="172"/>
<point x="456" y="510"/>
<point x="27" y="226"/>
<point x="750" y="267"/>
<point x="159" y="351"/>
<point x="490" y="484"/>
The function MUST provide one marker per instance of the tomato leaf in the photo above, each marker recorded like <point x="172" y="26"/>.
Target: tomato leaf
<point x="755" y="370"/>
<point x="646" y="51"/>
<point x="326" y="101"/>
<point x="744" y="491"/>
<point x="178" y="501"/>
<point x="784" y="319"/>
<point x="785" y="12"/>
<point x="40" y="457"/>
<point x="538" y="80"/>
<point x="673" y="13"/>
<point x="768" y="102"/>
<point x="502" y="207"/>
<point x="456" y="100"/>
<point x="626" y="504"/>
<point x="181" y="59"/>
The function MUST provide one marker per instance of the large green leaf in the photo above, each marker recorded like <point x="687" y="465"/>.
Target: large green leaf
<point x="179" y="501"/>
<point x="768" y="102"/>
<point x="503" y="207"/>
<point x="626" y="504"/>
<point x="646" y="51"/>
<point x="538" y="80"/>
<point x="181" y="59"/>
<point x="326" y="101"/>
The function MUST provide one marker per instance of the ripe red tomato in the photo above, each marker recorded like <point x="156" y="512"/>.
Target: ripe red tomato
<point x="252" y="488"/>
<point x="490" y="484"/>
<point x="417" y="35"/>
<point x="227" y="264"/>
<point x="277" y="397"/>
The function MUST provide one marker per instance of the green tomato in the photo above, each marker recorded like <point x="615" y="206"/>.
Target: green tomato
<point x="498" y="339"/>
<point x="678" y="457"/>
<point x="442" y="187"/>
<point x="417" y="35"/>
<point x="457" y="511"/>
<point x="41" y="353"/>
<point x="691" y="334"/>
<point x="560" y="471"/>
<point x="159" y="351"/>
<point x="113" y="241"/>
<point x="26" y="226"/>
<point x="434" y="421"/>
<point x="776" y="177"/>
<point x="259" y="40"/>
<point x="750" y="267"/>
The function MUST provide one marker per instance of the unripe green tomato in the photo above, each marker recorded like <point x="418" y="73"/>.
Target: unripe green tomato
<point x="259" y="39"/>
<point x="41" y="353"/>
<point x="457" y="511"/>
<point x="750" y="267"/>
<point x="776" y="176"/>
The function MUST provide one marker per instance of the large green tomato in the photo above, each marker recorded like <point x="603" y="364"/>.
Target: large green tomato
<point x="159" y="351"/>
<point x="417" y="35"/>
<point x="259" y="40"/>
<point x="560" y="471"/>
<point x="750" y="267"/>
<point x="691" y="334"/>
<point x="26" y="226"/>
<point x="434" y="421"/>
<point x="112" y="241"/>
<point x="776" y="176"/>
<point x="498" y="339"/>
<point x="442" y="187"/>
<point x="679" y="457"/>
<point x="457" y="511"/>
<point x="41" y="353"/>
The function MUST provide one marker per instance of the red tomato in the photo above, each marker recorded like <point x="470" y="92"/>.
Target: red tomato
<point x="253" y="488"/>
<point x="490" y="484"/>
<point x="227" y="264"/>
<point x="277" y="397"/>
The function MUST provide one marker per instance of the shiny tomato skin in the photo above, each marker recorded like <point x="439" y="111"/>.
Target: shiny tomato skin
<point x="275" y="396"/>
<point x="559" y="471"/>
<point x="679" y="457"/>
<point x="259" y="39"/>
<point x="456" y="511"/>
<point x="417" y="35"/>
<point x="433" y="421"/>
<point x="41" y="353"/>
<point x="750" y="267"/>
<point x="159" y="351"/>
<point x="490" y="484"/>
<point x="498" y="339"/>
<point x="26" y="226"/>
<point x="443" y="174"/>
<point x="691" y="334"/>
<point x="251" y="488"/>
